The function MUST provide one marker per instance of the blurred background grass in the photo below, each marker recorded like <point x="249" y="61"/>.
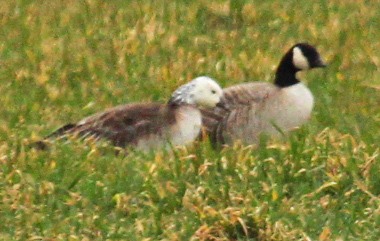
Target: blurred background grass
<point x="63" y="60"/>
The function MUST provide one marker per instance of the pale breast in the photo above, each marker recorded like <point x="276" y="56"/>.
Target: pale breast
<point x="183" y="131"/>
<point x="291" y="108"/>
<point x="284" y="108"/>
<point x="187" y="126"/>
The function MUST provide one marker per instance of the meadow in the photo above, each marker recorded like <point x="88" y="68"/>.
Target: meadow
<point x="63" y="60"/>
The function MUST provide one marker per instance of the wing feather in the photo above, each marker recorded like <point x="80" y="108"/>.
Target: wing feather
<point x="244" y="102"/>
<point x="121" y="125"/>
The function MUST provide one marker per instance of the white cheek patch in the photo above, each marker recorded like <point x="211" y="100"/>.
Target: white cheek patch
<point x="299" y="60"/>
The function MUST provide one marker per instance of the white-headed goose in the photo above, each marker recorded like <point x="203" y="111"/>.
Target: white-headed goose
<point x="150" y="125"/>
<point x="265" y="107"/>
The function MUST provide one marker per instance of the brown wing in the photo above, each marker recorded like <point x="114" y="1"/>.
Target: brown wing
<point x="122" y="125"/>
<point x="243" y="101"/>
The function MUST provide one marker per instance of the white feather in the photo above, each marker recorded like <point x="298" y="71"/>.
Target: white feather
<point x="299" y="60"/>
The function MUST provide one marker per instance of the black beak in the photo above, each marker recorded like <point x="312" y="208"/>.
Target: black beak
<point x="222" y="104"/>
<point x="319" y="63"/>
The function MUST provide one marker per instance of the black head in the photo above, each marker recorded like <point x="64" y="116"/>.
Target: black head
<point x="301" y="56"/>
<point x="305" y="56"/>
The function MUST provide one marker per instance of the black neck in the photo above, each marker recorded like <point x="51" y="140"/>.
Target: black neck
<point x="286" y="72"/>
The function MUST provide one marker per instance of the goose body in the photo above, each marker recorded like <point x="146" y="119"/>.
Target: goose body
<point x="262" y="107"/>
<point x="146" y="126"/>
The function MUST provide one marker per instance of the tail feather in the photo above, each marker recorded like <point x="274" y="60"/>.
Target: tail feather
<point x="43" y="145"/>
<point x="61" y="131"/>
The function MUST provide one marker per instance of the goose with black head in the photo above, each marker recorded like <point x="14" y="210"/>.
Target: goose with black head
<point x="262" y="107"/>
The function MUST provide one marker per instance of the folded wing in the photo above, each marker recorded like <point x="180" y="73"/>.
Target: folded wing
<point x="121" y="125"/>
<point x="243" y="118"/>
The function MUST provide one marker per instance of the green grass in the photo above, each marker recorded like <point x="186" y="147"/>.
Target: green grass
<point x="63" y="60"/>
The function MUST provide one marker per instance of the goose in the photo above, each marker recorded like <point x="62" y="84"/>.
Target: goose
<point x="146" y="126"/>
<point x="263" y="107"/>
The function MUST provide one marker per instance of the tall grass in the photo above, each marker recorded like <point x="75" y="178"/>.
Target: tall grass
<point x="63" y="60"/>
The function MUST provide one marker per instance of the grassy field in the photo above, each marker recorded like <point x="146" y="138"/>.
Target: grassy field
<point x="63" y="60"/>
